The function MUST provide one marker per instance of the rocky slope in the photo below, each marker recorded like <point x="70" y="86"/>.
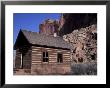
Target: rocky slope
<point x="84" y="41"/>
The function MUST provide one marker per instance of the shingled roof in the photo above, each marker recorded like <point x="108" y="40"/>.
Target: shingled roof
<point x="45" y="40"/>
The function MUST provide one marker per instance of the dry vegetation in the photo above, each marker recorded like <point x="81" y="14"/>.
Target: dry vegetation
<point x="84" y="69"/>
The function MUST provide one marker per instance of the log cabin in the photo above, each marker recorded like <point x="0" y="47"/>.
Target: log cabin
<point x="40" y="54"/>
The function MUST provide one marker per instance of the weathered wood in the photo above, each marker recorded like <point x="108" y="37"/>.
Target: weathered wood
<point x="34" y="59"/>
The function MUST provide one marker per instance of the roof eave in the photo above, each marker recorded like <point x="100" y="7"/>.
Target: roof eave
<point x="50" y="46"/>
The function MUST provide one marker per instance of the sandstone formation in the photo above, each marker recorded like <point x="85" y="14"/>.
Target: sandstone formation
<point x="49" y="27"/>
<point x="73" y="21"/>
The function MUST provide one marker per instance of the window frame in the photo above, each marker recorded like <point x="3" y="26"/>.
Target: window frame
<point x="45" y="57"/>
<point x="60" y="60"/>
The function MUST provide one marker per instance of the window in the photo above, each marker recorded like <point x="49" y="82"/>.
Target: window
<point x="59" y="58"/>
<point x="45" y="56"/>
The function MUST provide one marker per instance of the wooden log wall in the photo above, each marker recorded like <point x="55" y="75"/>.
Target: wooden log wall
<point x="26" y="55"/>
<point x="51" y="67"/>
<point x="36" y="55"/>
<point x="52" y="53"/>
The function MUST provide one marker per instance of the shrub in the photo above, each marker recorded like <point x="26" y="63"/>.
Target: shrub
<point x="84" y="69"/>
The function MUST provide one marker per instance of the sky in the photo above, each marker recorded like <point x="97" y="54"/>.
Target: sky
<point x="30" y="21"/>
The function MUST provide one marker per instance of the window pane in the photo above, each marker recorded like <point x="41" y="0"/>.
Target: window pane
<point x="46" y="59"/>
<point x="46" y="54"/>
<point x="59" y="58"/>
<point x="43" y="59"/>
<point x="43" y="54"/>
